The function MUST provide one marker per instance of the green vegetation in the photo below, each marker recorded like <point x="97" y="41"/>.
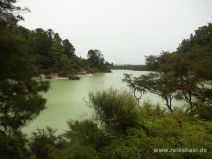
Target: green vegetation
<point x="185" y="74"/>
<point x="125" y="131"/>
<point x="121" y="128"/>
<point x="46" y="50"/>
<point x="54" y="55"/>
<point x="117" y="111"/>
<point x="20" y="100"/>
<point x="130" y="67"/>
<point x="97" y="62"/>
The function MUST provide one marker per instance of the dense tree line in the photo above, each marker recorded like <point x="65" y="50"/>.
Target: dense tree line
<point x="130" y="67"/>
<point x="53" y="55"/>
<point x="50" y="53"/>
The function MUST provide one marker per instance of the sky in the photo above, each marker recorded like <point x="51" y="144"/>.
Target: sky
<point x="125" y="31"/>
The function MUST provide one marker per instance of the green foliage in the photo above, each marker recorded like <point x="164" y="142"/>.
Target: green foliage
<point x="88" y="133"/>
<point x="54" y="55"/>
<point x="95" y="58"/>
<point x="97" y="62"/>
<point x="151" y="62"/>
<point x="7" y="9"/>
<point x="68" y="48"/>
<point x="154" y="128"/>
<point x="205" y="112"/>
<point x="116" y="110"/>
<point x="163" y="85"/>
<point x="19" y="93"/>
<point x="122" y="129"/>
<point x="48" y="51"/>
<point x="163" y="133"/>
<point x="130" y="67"/>
<point x="13" y="146"/>
<point x="14" y="52"/>
<point x="20" y="99"/>
<point x="186" y="72"/>
<point x="201" y="38"/>
<point x="44" y="143"/>
<point x="24" y="55"/>
<point x="83" y="152"/>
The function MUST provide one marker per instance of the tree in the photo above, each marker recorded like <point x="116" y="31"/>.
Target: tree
<point x="41" y="41"/>
<point x="161" y="84"/>
<point x="7" y="12"/>
<point x="20" y="99"/>
<point x="190" y="66"/>
<point x="151" y="62"/>
<point x="97" y="62"/>
<point x="69" y="49"/>
<point x="95" y="58"/>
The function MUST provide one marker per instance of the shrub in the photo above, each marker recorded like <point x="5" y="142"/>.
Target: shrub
<point x="12" y="146"/>
<point x="44" y="143"/>
<point x="88" y="133"/>
<point x="115" y="110"/>
<point x="84" y="152"/>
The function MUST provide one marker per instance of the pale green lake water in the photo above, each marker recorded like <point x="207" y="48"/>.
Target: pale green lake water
<point x="68" y="99"/>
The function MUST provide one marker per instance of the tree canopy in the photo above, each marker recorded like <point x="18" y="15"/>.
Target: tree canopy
<point x="186" y="72"/>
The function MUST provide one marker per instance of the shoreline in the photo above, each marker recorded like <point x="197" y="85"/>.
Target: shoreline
<point x="57" y="77"/>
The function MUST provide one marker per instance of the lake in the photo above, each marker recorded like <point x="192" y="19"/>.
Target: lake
<point x="68" y="99"/>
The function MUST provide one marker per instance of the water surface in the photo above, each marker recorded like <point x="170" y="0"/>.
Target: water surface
<point x="68" y="99"/>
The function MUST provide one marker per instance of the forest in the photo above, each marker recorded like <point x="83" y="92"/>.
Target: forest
<point x="130" y="67"/>
<point x="122" y="128"/>
<point x="45" y="50"/>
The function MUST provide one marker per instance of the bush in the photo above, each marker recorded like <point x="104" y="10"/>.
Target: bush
<point x="205" y="112"/>
<point x="115" y="110"/>
<point x="88" y="133"/>
<point x="84" y="152"/>
<point x="12" y="146"/>
<point x="44" y="143"/>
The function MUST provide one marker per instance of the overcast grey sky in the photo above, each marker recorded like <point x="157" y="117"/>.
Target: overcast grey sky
<point x="124" y="30"/>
